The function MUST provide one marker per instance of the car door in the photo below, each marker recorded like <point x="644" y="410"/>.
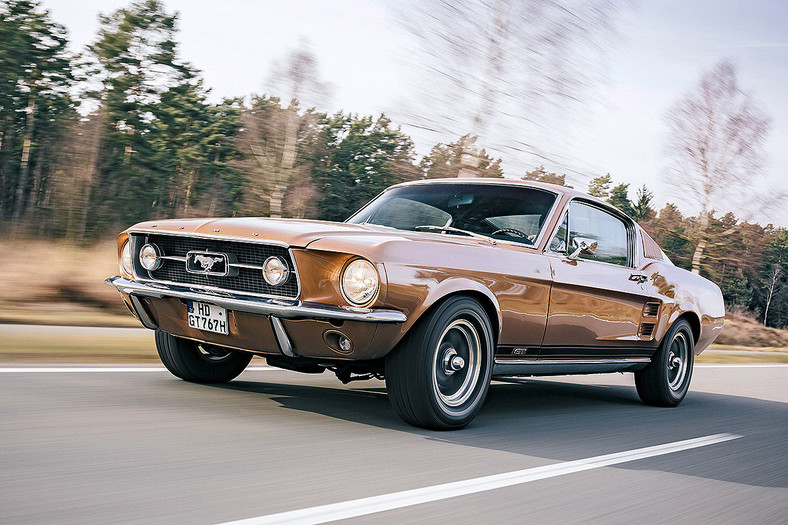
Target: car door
<point x="597" y="301"/>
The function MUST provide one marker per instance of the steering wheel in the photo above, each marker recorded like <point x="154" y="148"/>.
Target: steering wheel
<point x="511" y="231"/>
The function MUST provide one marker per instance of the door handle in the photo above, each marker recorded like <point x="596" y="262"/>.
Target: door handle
<point x="638" y="278"/>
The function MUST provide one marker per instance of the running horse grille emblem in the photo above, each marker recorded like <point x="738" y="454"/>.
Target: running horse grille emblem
<point x="207" y="263"/>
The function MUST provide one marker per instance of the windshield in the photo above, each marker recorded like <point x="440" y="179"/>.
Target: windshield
<point x="503" y="212"/>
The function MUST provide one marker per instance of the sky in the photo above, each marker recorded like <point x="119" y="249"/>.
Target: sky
<point x="362" y="51"/>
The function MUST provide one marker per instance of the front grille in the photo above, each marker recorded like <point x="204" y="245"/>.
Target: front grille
<point x="248" y="280"/>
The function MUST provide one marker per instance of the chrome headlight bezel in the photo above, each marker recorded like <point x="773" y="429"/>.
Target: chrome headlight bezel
<point x="150" y="252"/>
<point x="126" y="259"/>
<point x="359" y="282"/>
<point x="270" y="269"/>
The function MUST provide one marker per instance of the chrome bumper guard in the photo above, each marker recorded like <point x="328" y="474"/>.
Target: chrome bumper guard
<point x="288" y="309"/>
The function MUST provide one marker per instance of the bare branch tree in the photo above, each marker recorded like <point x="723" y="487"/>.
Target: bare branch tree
<point x="714" y="146"/>
<point x="492" y="68"/>
<point x="773" y="286"/>
<point x="274" y="137"/>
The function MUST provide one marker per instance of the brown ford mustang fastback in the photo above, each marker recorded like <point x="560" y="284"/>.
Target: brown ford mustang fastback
<point x="436" y="286"/>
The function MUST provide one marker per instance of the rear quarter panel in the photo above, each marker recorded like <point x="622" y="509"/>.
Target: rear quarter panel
<point x="684" y="293"/>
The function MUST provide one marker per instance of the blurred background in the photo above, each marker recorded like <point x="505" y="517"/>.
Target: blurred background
<point x="112" y="112"/>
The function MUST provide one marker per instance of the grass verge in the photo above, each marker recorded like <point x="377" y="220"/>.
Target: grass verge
<point x="78" y="348"/>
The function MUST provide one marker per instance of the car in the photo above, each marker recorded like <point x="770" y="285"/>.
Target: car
<point x="436" y="286"/>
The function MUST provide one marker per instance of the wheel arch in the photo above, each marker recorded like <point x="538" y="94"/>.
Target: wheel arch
<point x="487" y="302"/>
<point x="694" y="322"/>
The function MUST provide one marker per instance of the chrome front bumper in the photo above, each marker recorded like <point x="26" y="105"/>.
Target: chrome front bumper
<point x="285" y="308"/>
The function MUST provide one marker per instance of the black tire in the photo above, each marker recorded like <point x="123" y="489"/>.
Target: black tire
<point x="199" y="362"/>
<point x="427" y="385"/>
<point x="665" y="382"/>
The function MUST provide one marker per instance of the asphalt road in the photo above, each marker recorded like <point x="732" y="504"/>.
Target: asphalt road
<point x="132" y="446"/>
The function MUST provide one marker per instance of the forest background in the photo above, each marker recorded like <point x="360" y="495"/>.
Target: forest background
<point x="124" y="131"/>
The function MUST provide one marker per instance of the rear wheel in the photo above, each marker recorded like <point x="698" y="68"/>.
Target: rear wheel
<point x="666" y="380"/>
<point x="439" y="375"/>
<point x="199" y="362"/>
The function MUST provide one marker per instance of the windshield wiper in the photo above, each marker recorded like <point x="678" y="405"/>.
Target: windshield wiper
<point x="426" y="228"/>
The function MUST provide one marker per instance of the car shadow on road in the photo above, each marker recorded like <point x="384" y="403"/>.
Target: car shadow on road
<point x="566" y="421"/>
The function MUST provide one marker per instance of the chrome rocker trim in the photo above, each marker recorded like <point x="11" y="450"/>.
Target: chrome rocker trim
<point x="286" y="308"/>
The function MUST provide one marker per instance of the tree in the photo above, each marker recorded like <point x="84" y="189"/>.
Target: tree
<point x="136" y="63"/>
<point x="275" y="136"/>
<point x="541" y="175"/>
<point x="492" y="68"/>
<point x="641" y="208"/>
<point x="34" y="80"/>
<point x="194" y="141"/>
<point x="619" y="197"/>
<point x="279" y="146"/>
<point x="736" y="290"/>
<point x="360" y="158"/>
<point x="448" y="160"/>
<point x="774" y="279"/>
<point x="669" y="230"/>
<point x="600" y="186"/>
<point x="773" y="285"/>
<point x="716" y="135"/>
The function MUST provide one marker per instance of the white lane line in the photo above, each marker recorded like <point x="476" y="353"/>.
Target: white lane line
<point x="782" y="365"/>
<point x="87" y="369"/>
<point x="82" y="369"/>
<point x="407" y="498"/>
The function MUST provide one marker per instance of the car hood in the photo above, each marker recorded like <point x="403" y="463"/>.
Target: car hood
<point x="293" y="232"/>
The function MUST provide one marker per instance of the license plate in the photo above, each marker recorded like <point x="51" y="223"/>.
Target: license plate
<point x="207" y="317"/>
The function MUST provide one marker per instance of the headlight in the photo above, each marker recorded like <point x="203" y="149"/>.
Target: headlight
<point x="125" y="259"/>
<point x="150" y="257"/>
<point x="360" y="282"/>
<point x="275" y="271"/>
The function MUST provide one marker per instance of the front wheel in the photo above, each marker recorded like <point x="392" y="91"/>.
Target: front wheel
<point x="199" y="362"/>
<point x="666" y="380"/>
<point x="439" y="375"/>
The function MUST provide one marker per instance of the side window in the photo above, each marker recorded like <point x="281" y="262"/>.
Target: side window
<point x="609" y="231"/>
<point x="558" y="243"/>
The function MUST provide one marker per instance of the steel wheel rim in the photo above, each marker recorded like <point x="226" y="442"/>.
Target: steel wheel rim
<point x="678" y="356"/>
<point x="460" y="339"/>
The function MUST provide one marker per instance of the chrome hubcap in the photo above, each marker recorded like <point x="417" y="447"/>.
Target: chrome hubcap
<point x="452" y="362"/>
<point x="677" y="361"/>
<point x="457" y="364"/>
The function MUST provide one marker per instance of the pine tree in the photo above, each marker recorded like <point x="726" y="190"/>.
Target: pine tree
<point x="540" y="174"/>
<point x="361" y="157"/>
<point x="600" y="186"/>
<point x="34" y="79"/>
<point x="136" y="63"/>
<point x="449" y="160"/>
<point x="641" y="208"/>
<point x="619" y="197"/>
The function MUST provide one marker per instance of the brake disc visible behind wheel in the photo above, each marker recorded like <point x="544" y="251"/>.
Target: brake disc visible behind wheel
<point x="199" y="362"/>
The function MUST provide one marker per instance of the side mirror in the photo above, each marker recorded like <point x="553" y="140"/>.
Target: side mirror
<point x="582" y="245"/>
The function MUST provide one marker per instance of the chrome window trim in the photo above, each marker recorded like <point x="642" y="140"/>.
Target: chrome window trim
<point x="537" y="241"/>
<point x="632" y="234"/>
